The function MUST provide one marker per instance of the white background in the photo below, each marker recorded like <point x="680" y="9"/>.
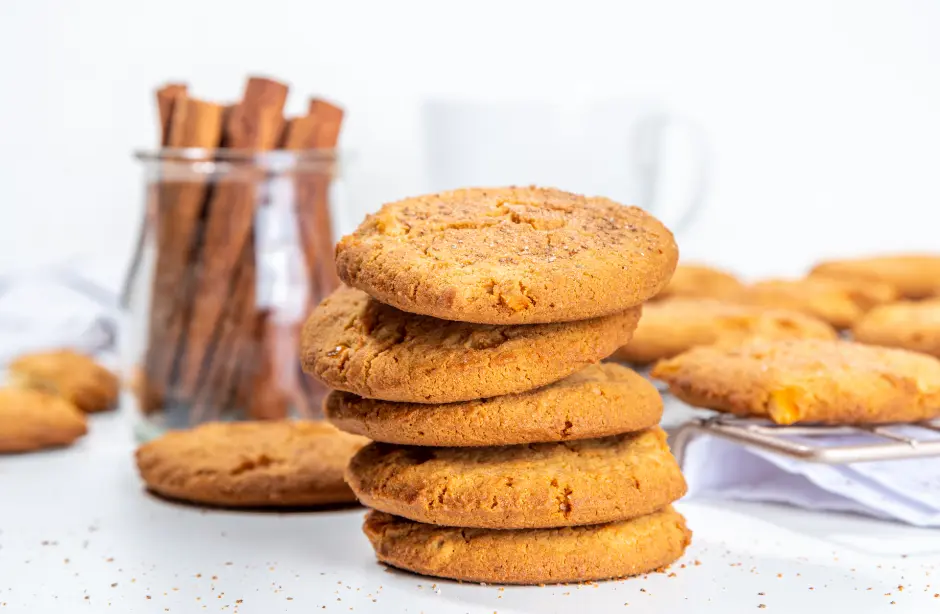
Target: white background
<point x="824" y="116"/>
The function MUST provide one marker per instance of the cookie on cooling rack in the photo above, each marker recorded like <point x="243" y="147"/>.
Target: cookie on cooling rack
<point x="807" y="380"/>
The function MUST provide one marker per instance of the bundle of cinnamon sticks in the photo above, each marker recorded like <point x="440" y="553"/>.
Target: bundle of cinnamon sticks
<point x="212" y="346"/>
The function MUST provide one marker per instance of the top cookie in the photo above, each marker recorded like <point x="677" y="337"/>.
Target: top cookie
<point x="913" y="275"/>
<point x="700" y="281"/>
<point x="807" y="380"/>
<point x="675" y="325"/>
<point x="509" y="256"/>
<point x="912" y="325"/>
<point x="356" y="344"/>
<point x="70" y="375"/>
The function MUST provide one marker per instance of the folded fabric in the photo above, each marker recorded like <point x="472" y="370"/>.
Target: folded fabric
<point x="906" y="490"/>
<point x="57" y="308"/>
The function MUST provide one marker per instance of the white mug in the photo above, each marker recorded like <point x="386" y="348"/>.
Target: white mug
<point x="632" y="152"/>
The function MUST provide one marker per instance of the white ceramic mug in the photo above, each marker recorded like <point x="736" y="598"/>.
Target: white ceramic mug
<point x="632" y="152"/>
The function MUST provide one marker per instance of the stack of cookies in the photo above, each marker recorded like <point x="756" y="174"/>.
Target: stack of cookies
<point x="467" y="348"/>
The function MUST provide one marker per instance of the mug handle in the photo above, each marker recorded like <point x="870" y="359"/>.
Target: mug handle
<point x="657" y="137"/>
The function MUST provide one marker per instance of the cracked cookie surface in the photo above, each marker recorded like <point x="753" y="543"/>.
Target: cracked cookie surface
<point x="33" y="420"/>
<point x="674" y="325"/>
<point x="540" y="485"/>
<point x="807" y="380"/>
<point x="533" y="556"/>
<point x="508" y="256"/>
<point x="251" y="464"/>
<point x="353" y="343"/>
<point x="600" y="400"/>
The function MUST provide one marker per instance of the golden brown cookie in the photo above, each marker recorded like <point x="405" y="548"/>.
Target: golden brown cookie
<point x="913" y="275"/>
<point x="539" y="485"/>
<point x="531" y="556"/>
<point x="70" y="375"/>
<point x="672" y="326"/>
<point x="839" y="302"/>
<point x="251" y="464"/>
<point x="909" y="325"/>
<point x="807" y="380"/>
<point x="33" y="420"/>
<point x="353" y="343"/>
<point x="600" y="400"/>
<point x="700" y="281"/>
<point x="508" y="256"/>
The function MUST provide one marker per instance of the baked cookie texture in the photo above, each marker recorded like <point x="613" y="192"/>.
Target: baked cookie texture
<point x="600" y="400"/>
<point x="912" y="325"/>
<point x="356" y="344"/>
<point x="701" y="281"/>
<point x="509" y="256"/>
<point x="569" y="483"/>
<point x="840" y="303"/>
<point x="70" y="375"/>
<point x="672" y="326"/>
<point x="533" y="556"/>
<point x="912" y="275"/>
<point x="807" y="380"/>
<point x="33" y="420"/>
<point x="251" y="464"/>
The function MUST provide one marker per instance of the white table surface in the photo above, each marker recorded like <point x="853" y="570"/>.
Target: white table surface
<point x="79" y="534"/>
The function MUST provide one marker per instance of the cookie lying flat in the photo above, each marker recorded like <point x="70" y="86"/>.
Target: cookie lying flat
<point x="519" y="487"/>
<point x="840" y="303"/>
<point x="33" y="420"/>
<point x="533" y="556"/>
<point x="913" y="275"/>
<point x="353" y="343"/>
<point x="673" y="326"/>
<point x="600" y="400"/>
<point x="251" y="464"/>
<point x="70" y="375"/>
<point x="909" y="325"/>
<point x="700" y="281"/>
<point x="807" y="380"/>
<point x="508" y="256"/>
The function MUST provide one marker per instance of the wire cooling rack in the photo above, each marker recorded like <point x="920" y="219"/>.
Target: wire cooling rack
<point x="834" y="445"/>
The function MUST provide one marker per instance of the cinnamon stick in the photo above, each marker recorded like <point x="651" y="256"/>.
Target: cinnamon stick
<point x="254" y="124"/>
<point x="191" y="123"/>
<point x="318" y="130"/>
<point x="166" y="101"/>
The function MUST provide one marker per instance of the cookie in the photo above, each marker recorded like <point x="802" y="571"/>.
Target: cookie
<point x="70" y="375"/>
<point x="531" y="556"/>
<point x="700" y="281"/>
<point x="912" y="275"/>
<point x="251" y="464"/>
<point x="841" y="302"/>
<point x="807" y="380"/>
<point x="520" y="487"/>
<point x="33" y="420"/>
<point x="353" y="343"/>
<point x="600" y="400"/>
<point x="509" y="256"/>
<point x="909" y="325"/>
<point x="675" y="325"/>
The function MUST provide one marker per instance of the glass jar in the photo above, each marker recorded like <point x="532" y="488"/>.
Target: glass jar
<point x="235" y="249"/>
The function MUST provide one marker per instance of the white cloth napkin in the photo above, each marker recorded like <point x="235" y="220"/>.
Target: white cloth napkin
<point x="905" y="490"/>
<point x="56" y="308"/>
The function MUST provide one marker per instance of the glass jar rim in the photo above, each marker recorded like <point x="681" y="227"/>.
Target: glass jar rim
<point x="221" y="158"/>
